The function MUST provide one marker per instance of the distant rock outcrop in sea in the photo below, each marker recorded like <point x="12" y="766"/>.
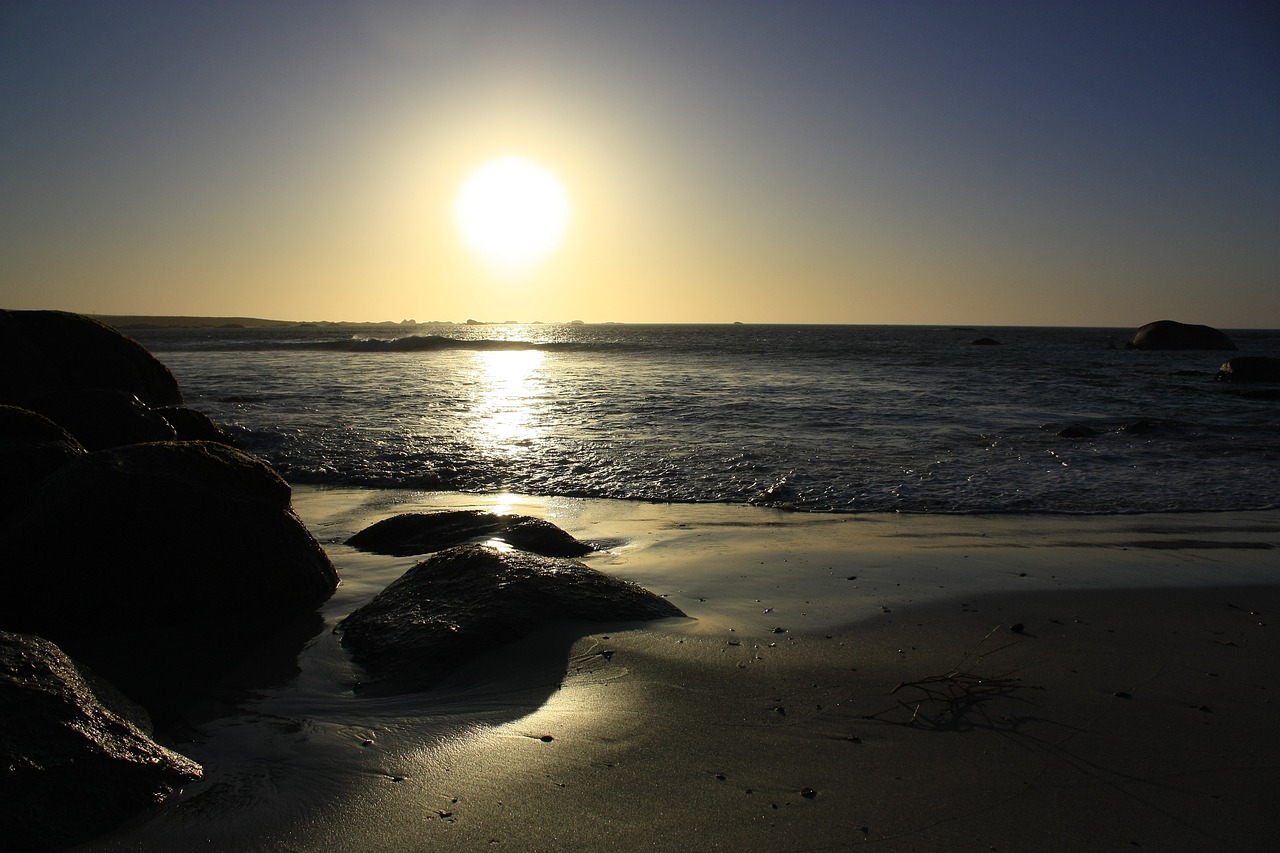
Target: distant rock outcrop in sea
<point x="1172" y="335"/>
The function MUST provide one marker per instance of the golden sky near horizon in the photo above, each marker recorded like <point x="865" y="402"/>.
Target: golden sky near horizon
<point x="1064" y="163"/>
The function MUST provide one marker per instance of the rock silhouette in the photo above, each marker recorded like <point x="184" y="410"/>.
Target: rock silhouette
<point x="464" y="601"/>
<point x="78" y="756"/>
<point x="424" y="532"/>
<point x="164" y="563"/>
<point x="46" y="352"/>
<point x="31" y="448"/>
<point x="158" y="533"/>
<point x="1170" y="334"/>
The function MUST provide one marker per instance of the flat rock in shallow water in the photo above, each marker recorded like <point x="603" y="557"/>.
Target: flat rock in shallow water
<point x="424" y="532"/>
<point x="468" y="600"/>
<point x="76" y="762"/>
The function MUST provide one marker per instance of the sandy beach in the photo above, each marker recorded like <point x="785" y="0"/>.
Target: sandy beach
<point x="904" y="682"/>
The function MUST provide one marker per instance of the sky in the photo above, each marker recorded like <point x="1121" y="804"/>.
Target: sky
<point x="909" y="162"/>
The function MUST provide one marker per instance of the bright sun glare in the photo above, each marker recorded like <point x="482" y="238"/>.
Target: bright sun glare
<point x="511" y="211"/>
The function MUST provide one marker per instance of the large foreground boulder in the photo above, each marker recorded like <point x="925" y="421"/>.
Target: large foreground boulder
<point x="100" y="418"/>
<point x="1170" y="334"/>
<point x="75" y="757"/>
<point x="94" y="382"/>
<point x="468" y="600"/>
<point x="47" y="352"/>
<point x="163" y="533"/>
<point x="31" y="448"/>
<point x="191" y="425"/>
<point x="424" y="532"/>
<point x="174" y="537"/>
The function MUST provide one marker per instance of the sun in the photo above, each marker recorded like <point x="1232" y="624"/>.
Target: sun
<point x="512" y="212"/>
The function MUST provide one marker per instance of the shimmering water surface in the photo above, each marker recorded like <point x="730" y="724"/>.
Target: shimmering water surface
<point x="822" y="418"/>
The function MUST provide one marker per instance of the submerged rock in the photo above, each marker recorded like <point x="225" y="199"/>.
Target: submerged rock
<point x="1170" y="334"/>
<point x="424" y="532"/>
<point x="75" y="757"/>
<point x="1077" y="431"/>
<point x="471" y="599"/>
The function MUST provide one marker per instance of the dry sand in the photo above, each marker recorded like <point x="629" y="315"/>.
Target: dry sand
<point x="903" y="682"/>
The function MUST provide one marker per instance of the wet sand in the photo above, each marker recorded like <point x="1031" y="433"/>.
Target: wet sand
<point x="906" y="682"/>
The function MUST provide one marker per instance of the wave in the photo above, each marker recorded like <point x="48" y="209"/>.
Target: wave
<point x="414" y="343"/>
<point x="430" y="343"/>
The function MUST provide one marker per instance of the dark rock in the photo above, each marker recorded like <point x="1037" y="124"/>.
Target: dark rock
<point x="99" y="385"/>
<point x="424" y="532"/>
<point x="75" y="759"/>
<point x="191" y="425"/>
<point x="1250" y="368"/>
<point x="164" y="535"/>
<point x="986" y="342"/>
<point x="101" y="418"/>
<point x="1142" y="426"/>
<point x="45" y="352"/>
<point x="1169" y="334"/>
<point x="471" y="599"/>
<point x="31" y="448"/>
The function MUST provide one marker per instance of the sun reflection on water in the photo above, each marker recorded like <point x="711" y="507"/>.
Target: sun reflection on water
<point x="509" y="380"/>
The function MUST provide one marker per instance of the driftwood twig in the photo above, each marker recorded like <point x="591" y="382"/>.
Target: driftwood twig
<point x="951" y="700"/>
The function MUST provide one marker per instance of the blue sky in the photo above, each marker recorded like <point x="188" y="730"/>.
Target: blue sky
<point x="1071" y="163"/>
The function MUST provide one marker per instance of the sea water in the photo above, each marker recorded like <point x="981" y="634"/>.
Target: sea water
<point x="815" y="418"/>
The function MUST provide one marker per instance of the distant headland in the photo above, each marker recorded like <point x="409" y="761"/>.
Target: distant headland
<point x="131" y="321"/>
<point x="143" y="321"/>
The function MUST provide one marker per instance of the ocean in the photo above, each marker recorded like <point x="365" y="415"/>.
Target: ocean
<point x="845" y="419"/>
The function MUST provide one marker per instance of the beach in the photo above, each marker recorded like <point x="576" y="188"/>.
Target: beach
<point x="910" y="682"/>
<point x="923" y="359"/>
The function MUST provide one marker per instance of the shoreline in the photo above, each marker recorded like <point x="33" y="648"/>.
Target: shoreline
<point x="820" y="697"/>
<point x="688" y="550"/>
